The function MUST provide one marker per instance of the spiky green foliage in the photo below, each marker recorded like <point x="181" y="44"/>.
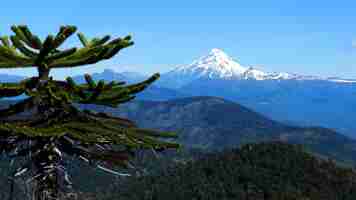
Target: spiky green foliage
<point x="57" y="129"/>
<point x="33" y="52"/>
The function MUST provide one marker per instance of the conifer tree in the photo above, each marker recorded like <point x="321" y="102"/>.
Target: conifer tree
<point x="57" y="130"/>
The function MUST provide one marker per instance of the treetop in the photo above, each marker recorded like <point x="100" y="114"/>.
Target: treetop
<point x="24" y="49"/>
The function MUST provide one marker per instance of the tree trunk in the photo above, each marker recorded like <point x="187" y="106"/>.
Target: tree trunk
<point x="43" y="73"/>
<point x="47" y="163"/>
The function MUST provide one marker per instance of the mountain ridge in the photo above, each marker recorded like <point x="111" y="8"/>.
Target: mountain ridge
<point x="218" y="65"/>
<point x="211" y="123"/>
<point x="304" y="102"/>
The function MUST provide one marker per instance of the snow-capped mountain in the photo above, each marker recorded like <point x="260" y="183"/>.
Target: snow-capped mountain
<point x="218" y="65"/>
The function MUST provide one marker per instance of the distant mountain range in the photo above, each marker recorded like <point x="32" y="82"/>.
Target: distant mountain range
<point x="154" y="92"/>
<point x="213" y="123"/>
<point x="287" y="97"/>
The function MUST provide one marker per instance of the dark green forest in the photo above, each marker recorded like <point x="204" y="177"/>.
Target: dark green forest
<point x="271" y="170"/>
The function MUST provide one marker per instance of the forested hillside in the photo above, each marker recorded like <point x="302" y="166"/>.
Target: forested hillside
<point x="256" y="171"/>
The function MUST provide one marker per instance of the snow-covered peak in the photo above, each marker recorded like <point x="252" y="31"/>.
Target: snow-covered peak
<point x="218" y="54"/>
<point x="217" y="64"/>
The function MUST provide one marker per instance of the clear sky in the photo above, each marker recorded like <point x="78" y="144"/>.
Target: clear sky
<point x="314" y="37"/>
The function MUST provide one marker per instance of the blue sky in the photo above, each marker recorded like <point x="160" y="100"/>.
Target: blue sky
<point x="309" y="37"/>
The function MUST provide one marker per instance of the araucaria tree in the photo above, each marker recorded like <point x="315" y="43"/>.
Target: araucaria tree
<point x="57" y="130"/>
